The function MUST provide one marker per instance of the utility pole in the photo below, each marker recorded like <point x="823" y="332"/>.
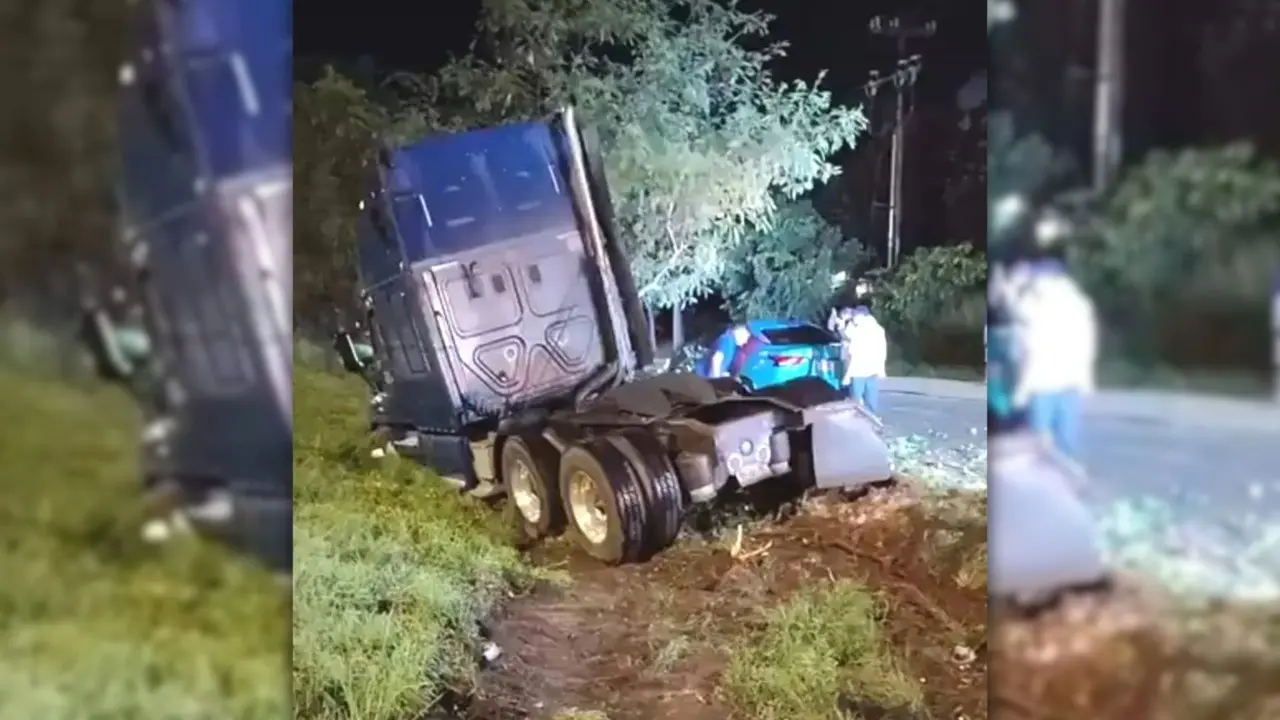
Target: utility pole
<point x="1108" y="89"/>
<point x="904" y="77"/>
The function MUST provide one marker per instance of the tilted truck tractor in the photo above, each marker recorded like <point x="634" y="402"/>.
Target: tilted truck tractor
<point x="507" y="340"/>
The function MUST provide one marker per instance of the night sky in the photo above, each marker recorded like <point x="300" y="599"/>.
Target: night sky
<point x="399" y="35"/>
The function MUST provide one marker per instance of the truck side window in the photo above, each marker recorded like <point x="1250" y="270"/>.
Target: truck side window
<point x="499" y="284"/>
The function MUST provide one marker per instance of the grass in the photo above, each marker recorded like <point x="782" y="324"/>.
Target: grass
<point x="95" y="623"/>
<point x="393" y="571"/>
<point x="824" y="645"/>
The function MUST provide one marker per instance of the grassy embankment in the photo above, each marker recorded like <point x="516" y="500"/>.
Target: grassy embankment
<point x="94" y="622"/>
<point x="393" y="573"/>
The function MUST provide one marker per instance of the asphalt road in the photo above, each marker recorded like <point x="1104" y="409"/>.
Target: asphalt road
<point x="1219" y="456"/>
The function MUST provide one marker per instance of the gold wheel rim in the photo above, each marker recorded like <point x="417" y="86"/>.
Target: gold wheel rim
<point x="523" y="494"/>
<point x="587" y="508"/>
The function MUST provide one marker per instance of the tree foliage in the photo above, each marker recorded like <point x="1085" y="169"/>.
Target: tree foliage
<point x="1021" y="163"/>
<point x="336" y="135"/>
<point x="784" y="271"/>
<point x="1181" y="258"/>
<point x="1198" y="223"/>
<point x="699" y="139"/>
<point x="931" y="287"/>
<point x="57" y="139"/>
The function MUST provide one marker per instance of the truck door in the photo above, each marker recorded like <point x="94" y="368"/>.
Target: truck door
<point x="402" y="350"/>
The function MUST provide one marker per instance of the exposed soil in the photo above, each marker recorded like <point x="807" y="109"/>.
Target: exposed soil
<point x="650" y="641"/>
<point x="1129" y="653"/>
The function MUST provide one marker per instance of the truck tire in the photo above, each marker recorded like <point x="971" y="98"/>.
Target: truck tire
<point x="661" y="485"/>
<point x="605" y="502"/>
<point x="531" y="477"/>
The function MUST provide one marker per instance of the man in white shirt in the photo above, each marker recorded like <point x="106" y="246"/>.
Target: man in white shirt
<point x="865" y="348"/>
<point x="1055" y="346"/>
<point x="1043" y="538"/>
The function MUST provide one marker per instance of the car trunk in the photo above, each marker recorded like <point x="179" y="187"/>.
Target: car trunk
<point x="802" y="350"/>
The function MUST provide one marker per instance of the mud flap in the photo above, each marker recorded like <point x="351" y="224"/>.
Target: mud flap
<point x="848" y="451"/>
<point x="1043" y="540"/>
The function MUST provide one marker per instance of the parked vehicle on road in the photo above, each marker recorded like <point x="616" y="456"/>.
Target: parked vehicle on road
<point x="782" y="351"/>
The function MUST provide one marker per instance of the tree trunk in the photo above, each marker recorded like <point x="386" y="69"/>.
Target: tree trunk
<point x="651" y="322"/>
<point x="677" y="327"/>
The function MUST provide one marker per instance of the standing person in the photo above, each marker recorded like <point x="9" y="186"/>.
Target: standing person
<point x="1054" y="340"/>
<point x="1057" y="341"/>
<point x="838" y="318"/>
<point x="1043" y="540"/>
<point x="866" y="352"/>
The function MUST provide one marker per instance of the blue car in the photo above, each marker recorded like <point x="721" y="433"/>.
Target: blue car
<point x="780" y="351"/>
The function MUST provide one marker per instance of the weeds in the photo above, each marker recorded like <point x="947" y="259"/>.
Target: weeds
<point x="94" y="622"/>
<point x="393" y="570"/>
<point x="822" y="649"/>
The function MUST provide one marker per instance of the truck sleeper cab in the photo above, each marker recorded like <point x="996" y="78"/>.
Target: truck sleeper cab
<point x="506" y="335"/>
<point x="206" y="192"/>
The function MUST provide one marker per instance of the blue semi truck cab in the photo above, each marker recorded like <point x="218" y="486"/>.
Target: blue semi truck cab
<point x="508" y="345"/>
<point x="206" y="196"/>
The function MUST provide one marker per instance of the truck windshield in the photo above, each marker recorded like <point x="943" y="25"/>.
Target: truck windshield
<point x="243" y="125"/>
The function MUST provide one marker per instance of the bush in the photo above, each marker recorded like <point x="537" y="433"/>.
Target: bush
<point x="1181" y="259"/>
<point x="933" y="305"/>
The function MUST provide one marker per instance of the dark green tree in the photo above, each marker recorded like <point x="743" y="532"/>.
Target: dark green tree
<point x="1182" y="254"/>
<point x="933" y="286"/>
<point x="787" y="270"/>
<point x="58" y="143"/>
<point x="337" y="132"/>
<point x="699" y="139"/>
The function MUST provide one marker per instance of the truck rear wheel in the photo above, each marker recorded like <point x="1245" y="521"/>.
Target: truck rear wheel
<point x="530" y="475"/>
<point x="661" y="485"/>
<point x="605" y="502"/>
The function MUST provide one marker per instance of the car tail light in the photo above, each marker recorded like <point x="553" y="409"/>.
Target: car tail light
<point x="786" y="360"/>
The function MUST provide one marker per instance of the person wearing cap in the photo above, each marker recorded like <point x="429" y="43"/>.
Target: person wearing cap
<point x="838" y="318"/>
<point x="865" y="351"/>
<point x="1051" y="335"/>
<point x="1043" y="538"/>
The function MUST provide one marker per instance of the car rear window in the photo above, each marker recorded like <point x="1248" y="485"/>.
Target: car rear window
<point x="799" y="335"/>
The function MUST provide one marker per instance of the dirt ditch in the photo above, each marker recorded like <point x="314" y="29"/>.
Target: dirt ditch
<point x="1132" y="652"/>
<point x="652" y="641"/>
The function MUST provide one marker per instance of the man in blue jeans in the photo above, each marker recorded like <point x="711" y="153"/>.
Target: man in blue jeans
<point x="865" y="350"/>
<point x="1055" y="340"/>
